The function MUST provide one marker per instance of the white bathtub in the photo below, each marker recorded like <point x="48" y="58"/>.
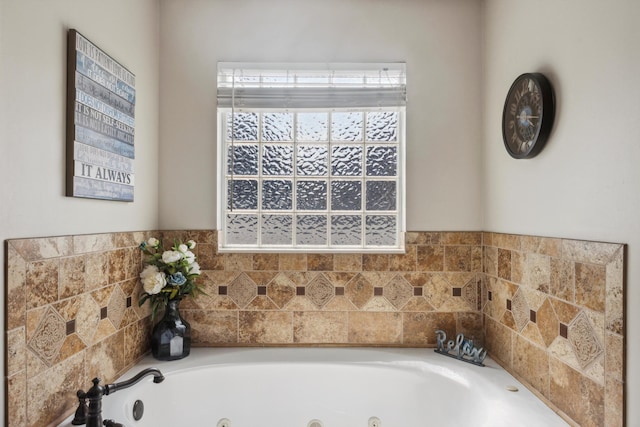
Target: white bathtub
<point x="326" y="387"/>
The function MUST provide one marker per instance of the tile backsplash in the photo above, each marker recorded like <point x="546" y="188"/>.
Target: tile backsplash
<point x="338" y="299"/>
<point x="549" y="310"/>
<point x="71" y="315"/>
<point x="554" y="312"/>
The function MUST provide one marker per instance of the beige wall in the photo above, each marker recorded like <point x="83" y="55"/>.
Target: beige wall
<point x="584" y="184"/>
<point x="33" y="36"/>
<point x="440" y="42"/>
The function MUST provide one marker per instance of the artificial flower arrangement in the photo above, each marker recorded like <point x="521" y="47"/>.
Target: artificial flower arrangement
<point x="170" y="274"/>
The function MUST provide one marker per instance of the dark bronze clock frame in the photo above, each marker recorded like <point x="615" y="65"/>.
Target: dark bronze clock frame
<point x="527" y="117"/>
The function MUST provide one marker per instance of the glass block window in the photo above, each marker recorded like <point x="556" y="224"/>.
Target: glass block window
<point x="309" y="177"/>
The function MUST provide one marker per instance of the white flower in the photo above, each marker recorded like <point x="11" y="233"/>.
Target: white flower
<point x="171" y="256"/>
<point x="195" y="268"/>
<point x="152" y="280"/>
<point x="149" y="270"/>
<point x="190" y="257"/>
<point x="169" y="274"/>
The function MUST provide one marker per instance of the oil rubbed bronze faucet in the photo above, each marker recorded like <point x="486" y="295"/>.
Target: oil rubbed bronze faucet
<point x="92" y="415"/>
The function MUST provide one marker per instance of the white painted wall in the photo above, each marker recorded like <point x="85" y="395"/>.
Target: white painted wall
<point x="33" y="40"/>
<point x="439" y="40"/>
<point x="586" y="182"/>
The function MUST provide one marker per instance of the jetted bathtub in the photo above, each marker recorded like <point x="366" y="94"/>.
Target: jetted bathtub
<point x="326" y="387"/>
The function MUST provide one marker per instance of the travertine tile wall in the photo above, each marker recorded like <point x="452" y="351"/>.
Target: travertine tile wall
<point x="72" y="315"/>
<point x="554" y="313"/>
<point x="349" y="299"/>
<point x="72" y="310"/>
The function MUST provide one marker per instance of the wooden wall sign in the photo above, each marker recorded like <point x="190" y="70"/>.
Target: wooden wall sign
<point x="101" y="100"/>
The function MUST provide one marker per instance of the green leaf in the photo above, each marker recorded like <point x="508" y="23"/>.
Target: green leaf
<point x="143" y="299"/>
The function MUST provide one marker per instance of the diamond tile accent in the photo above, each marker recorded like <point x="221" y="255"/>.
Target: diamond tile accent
<point x="49" y="336"/>
<point x="520" y="310"/>
<point x="583" y="340"/>
<point x="281" y="290"/>
<point x="359" y="291"/>
<point x="398" y="291"/>
<point x="470" y="294"/>
<point x="437" y="291"/>
<point x="320" y="290"/>
<point x="242" y="290"/>
<point x="87" y="319"/>
<point x="547" y="322"/>
<point x="116" y="307"/>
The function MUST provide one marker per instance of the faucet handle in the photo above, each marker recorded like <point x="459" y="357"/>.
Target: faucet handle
<point x="96" y="391"/>
<point x="80" y="416"/>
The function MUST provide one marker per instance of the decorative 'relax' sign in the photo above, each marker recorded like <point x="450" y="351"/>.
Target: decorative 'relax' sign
<point x="101" y="99"/>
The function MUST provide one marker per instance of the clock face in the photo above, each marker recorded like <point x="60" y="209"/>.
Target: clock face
<point x="527" y="116"/>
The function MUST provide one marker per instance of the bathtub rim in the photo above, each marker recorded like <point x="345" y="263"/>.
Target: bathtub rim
<point x="502" y="376"/>
<point x="201" y="357"/>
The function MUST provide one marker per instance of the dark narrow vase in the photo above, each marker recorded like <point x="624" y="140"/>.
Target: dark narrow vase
<point x="171" y="336"/>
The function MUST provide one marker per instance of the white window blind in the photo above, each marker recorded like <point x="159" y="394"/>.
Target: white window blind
<point x="251" y="86"/>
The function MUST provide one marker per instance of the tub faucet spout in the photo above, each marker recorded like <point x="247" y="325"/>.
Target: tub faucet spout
<point x="94" y="396"/>
<point x="157" y="378"/>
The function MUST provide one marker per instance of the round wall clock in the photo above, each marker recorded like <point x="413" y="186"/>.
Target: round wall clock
<point x="528" y="114"/>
